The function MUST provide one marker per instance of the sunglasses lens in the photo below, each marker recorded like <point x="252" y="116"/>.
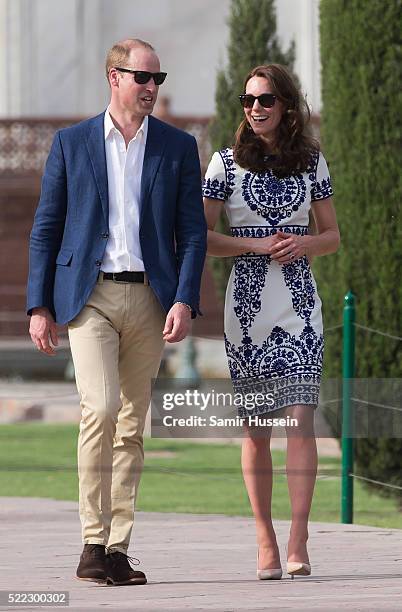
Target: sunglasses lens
<point x="142" y="77"/>
<point x="247" y="100"/>
<point x="267" y="100"/>
<point x="159" y="77"/>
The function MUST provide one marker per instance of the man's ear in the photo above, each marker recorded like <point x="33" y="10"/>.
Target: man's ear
<point x="113" y="77"/>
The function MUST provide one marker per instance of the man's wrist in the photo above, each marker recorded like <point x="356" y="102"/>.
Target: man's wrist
<point x="184" y="304"/>
<point x="40" y="310"/>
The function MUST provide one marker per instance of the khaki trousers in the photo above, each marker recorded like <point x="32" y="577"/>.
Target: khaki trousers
<point x="116" y="344"/>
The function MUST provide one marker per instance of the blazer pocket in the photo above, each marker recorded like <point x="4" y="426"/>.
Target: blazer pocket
<point x="64" y="257"/>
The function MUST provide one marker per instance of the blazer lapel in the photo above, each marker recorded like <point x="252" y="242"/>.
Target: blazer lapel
<point x="97" y="154"/>
<point x="156" y="142"/>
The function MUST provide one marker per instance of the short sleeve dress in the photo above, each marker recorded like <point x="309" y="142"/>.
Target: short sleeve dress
<point x="273" y="324"/>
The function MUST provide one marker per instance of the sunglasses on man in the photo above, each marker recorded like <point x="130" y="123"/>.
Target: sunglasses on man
<point x="267" y="100"/>
<point x="143" y="76"/>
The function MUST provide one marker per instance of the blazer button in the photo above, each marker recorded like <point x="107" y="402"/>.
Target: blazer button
<point x="98" y="262"/>
<point x="105" y="235"/>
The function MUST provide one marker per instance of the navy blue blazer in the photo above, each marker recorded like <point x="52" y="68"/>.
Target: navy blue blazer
<point x="70" y="229"/>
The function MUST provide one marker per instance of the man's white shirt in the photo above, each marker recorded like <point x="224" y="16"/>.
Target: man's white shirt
<point x="124" y="171"/>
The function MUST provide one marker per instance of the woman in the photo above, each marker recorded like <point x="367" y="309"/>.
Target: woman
<point x="268" y="183"/>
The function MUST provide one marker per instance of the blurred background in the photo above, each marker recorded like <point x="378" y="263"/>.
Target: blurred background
<point x="52" y="56"/>
<point x="346" y="55"/>
<point x="53" y="52"/>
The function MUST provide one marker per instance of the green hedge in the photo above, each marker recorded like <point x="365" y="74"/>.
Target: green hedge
<point x="361" y="136"/>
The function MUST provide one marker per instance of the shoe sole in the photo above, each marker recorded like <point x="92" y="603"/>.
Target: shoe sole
<point x="111" y="582"/>
<point x="262" y="577"/>
<point x="97" y="580"/>
<point x="300" y="572"/>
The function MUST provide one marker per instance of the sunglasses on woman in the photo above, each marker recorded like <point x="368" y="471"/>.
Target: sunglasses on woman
<point x="267" y="100"/>
<point x="143" y="76"/>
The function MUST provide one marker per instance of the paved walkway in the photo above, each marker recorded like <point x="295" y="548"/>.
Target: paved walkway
<point x="197" y="562"/>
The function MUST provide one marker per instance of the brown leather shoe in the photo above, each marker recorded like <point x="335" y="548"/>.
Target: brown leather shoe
<point x="92" y="564"/>
<point x="120" y="572"/>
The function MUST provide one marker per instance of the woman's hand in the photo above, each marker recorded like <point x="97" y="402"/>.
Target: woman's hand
<point x="264" y="246"/>
<point x="289" y="247"/>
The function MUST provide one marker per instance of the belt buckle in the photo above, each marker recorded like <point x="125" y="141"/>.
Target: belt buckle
<point x="116" y="280"/>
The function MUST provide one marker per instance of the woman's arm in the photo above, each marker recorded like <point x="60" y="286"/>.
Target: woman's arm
<point x="326" y="240"/>
<point x="221" y="245"/>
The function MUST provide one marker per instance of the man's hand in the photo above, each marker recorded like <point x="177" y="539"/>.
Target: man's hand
<point x="42" y="329"/>
<point x="177" y="323"/>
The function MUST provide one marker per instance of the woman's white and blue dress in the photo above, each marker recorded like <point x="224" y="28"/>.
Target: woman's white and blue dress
<point x="273" y="325"/>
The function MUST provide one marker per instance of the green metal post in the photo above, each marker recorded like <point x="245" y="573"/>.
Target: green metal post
<point x="348" y="372"/>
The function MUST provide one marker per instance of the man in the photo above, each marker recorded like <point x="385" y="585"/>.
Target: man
<point x="118" y="241"/>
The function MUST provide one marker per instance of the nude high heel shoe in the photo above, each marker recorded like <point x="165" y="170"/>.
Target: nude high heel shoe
<point x="297" y="568"/>
<point x="268" y="574"/>
<point x="294" y="568"/>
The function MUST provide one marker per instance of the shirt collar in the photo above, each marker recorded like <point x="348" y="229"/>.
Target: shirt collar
<point x="110" y="126"/>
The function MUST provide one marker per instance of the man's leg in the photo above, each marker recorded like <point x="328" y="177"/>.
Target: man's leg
<point x="94" y="341"/>
<point x="141" y="347"/>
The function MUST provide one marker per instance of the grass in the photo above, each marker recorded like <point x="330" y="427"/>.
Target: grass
<point x="38" y="460"/>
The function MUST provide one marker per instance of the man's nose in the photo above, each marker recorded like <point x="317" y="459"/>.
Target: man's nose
<point x="151" y="86"/>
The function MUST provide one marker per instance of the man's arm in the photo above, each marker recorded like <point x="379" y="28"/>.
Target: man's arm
<point x="191" y="244"/>
<point x="191" y="230"/>
<point x="46" y="237"/>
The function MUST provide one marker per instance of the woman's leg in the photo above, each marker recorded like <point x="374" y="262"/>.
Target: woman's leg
<point x="257" y="473"/>
<point x="301" y="468"/>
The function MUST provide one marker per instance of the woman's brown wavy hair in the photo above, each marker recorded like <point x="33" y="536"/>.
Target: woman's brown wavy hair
<point x="294" y="141"/>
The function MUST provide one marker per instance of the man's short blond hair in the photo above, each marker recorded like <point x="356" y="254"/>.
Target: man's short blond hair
<point x="120" y="52"/>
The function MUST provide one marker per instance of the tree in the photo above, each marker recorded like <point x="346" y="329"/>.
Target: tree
<point x="252" y="42"/>
<point x="361" y="133"/>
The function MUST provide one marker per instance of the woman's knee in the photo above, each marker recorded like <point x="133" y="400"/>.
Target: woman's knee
<point x="301" y="423"/>
<point x="256" y="440"/>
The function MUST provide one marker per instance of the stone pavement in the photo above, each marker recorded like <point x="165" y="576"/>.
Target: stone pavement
<point x="199" y="562"/>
